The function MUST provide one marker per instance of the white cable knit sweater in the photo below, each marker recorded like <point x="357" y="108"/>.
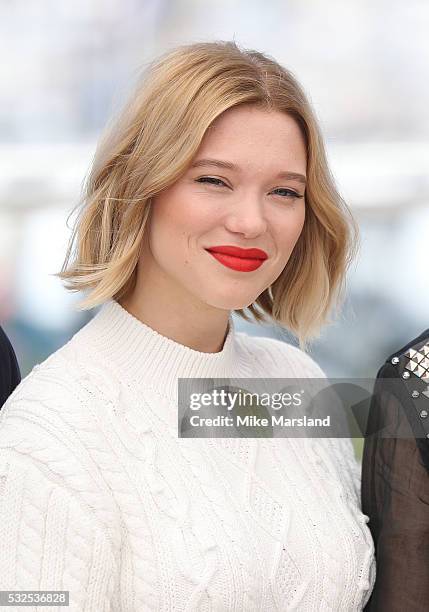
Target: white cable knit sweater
<point x="100" y="497"/>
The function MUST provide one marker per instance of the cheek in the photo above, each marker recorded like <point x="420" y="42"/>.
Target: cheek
<point x="290" y="225"/>
<point x="288" y="230"/>
<point x="176" y="226"/>
<point x="300" y="221"/>
<point x="167" y="217"/>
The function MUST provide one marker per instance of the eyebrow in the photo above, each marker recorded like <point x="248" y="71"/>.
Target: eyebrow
<point x="218" y="163"/>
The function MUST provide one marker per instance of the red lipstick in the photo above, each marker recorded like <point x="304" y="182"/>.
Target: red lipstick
<point x="242" y="260"/>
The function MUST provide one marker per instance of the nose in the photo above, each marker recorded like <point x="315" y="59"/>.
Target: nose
<point x="247" y="217"/>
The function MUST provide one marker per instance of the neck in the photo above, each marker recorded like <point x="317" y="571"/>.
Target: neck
<point x="199" y="330"/>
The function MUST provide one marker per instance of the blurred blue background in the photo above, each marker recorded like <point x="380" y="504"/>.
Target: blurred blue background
<point x="68" y="65"/>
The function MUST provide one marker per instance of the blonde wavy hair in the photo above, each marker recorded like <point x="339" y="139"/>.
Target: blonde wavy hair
<point x="151" y="143"/>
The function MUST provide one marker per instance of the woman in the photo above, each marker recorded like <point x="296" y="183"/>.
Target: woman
<point x="395" y="479"/>
<point x="217" y="150"/>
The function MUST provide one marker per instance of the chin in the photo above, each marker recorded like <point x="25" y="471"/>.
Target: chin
<point x="230" y="304"/>
<point x="227" y="296"/>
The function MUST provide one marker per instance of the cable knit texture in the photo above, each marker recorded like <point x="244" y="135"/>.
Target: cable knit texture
<point x="100" y="497"/>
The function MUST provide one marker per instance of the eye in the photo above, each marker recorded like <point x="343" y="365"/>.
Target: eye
<point x="209" y="179"/>
<point x="290" y="193"/>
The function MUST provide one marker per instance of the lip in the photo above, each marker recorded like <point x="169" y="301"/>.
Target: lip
<point x="239" y="252"/>
<point x="232" y="257"/>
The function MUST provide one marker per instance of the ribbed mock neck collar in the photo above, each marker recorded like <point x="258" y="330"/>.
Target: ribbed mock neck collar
<point x="145" y="356"/>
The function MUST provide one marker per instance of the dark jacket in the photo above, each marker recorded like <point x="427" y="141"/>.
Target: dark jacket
<point x="9" y="369"/>
<point x="395" y="479"/>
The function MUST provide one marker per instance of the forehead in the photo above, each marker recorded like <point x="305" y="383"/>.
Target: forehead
<point x="247" y="136"/>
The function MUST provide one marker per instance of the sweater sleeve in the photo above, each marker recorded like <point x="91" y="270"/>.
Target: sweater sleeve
<point x="49" y="539"/>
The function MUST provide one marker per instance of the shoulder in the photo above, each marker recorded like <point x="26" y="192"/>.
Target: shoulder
<point x="67" y="378"/>
<point x="410" y="363"/>
<point x="415" y="344"/>
<point x="281" y="358"/>
<point x="53" y="382"/>
<point x="35" y="416"/>
<point x="54" y="423"/>
<point x="52" y="413"/>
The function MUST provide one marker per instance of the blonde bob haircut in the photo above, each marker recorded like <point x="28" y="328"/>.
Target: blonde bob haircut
<point x="152" y="142"/>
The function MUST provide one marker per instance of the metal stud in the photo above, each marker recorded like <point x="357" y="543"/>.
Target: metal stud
<point x="395" y="360"/>
<point x="411" y="365"/>
<point x="419" y="371"/>
<point x="406" y="375"/>
<point x="425" y="349"/>
<point x="415" y="394"/>
<point x="410" y="353"/>
<point x="423" y="414"/>
<point x="425" y="363"/>
<point x="418" y="357"/>
<point x="427" y="436"/>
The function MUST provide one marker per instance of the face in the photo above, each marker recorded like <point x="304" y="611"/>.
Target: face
<point x="258" y="202"/>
